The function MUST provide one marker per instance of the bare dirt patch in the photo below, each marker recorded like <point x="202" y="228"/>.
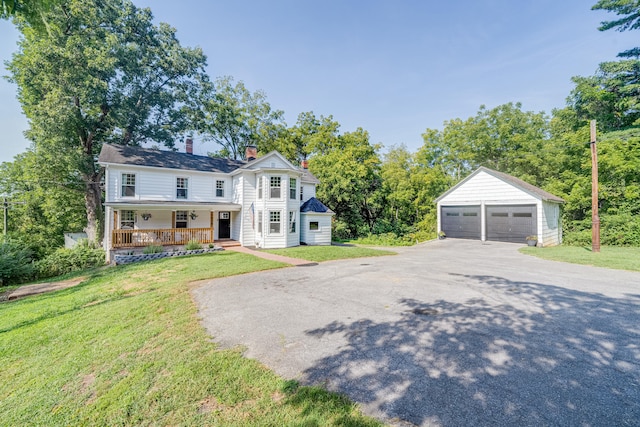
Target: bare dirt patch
<point x="40" y="288"/>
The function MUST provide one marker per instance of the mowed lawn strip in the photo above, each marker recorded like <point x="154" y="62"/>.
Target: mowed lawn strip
<point x="125" y="347"/>
<point x="328" y="253"/>
<point x="616" y="257"/>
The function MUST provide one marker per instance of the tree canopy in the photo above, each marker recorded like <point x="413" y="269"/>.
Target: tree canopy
<point x="103" y="73"/>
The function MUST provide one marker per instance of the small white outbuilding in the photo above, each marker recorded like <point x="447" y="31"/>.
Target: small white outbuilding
<point x="491" y="205"/>
<point x="315" y="219"/>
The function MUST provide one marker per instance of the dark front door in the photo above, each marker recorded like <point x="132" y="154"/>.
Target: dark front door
<point x="224" y="225"/>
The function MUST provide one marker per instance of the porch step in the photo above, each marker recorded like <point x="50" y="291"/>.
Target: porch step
<point x="227" y="243"/>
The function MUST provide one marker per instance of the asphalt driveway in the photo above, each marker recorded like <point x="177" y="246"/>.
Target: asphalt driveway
<point x="449" y="333"/>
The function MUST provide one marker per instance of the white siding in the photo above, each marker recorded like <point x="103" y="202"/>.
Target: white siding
<point x="550" y="224"/>
<point x="159" y="185"/>
<point x="490" y="190"/>
<point x="322" y="236"/>
<point x="272" y="162"/>
<point x="275" y="240"/>
<point x="159" y="219"/>
<point x="245" y="226"/>
<point x="293" y="239"/>
<point x="308" y="191"/>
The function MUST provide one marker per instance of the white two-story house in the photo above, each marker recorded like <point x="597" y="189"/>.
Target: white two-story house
<point x="155" y="197"/>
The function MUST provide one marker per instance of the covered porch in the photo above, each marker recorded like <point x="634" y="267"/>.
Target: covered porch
<point x="138" y="224"/>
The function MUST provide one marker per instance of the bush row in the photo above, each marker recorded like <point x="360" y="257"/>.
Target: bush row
<point x="17" y="264"/>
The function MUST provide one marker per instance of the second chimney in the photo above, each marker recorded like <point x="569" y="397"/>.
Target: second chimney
<point x="189" y="145"/>
<point x="305" y="164"/>
<point x="251" y="152"/>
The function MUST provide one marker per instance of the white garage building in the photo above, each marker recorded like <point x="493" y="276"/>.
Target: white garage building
<point x="491" y="205"/>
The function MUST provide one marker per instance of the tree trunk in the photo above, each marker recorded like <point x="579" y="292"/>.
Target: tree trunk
<point x="93" y="204"/>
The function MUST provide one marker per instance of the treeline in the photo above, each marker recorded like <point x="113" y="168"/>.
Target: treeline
<point x="95" y="71"/>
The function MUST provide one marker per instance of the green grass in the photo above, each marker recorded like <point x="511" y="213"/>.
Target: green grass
<point x="125" y="347"/>
<point x="617" y="257"/>
<point x="328" y="253"/>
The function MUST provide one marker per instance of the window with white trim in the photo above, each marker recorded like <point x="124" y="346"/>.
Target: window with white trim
<point x="260" y="188"/>
<point x="127" y="219"/>
<point x="182" y="188"/>
<point x="128" y="185"/>
<point x="292" y="188"/>
<point x="275" y="183"/>
<point x="259" y="221"/>
<point x="314" y="226"/>
<point x="292" y="221"/>
<point x="219" y="188"/>
<point x="274" y="222"/>
<point x="182" y="219"/>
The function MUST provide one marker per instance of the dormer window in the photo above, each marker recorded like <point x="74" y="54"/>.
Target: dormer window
<point x="182" y="188"/>
<point x="128" y="185"/>
<point x="274" y="188"/>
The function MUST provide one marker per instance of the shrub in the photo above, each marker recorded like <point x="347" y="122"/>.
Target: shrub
<point x="15" y="263"/>
<point x="192" y="245"/>
<point x="63" y="261"/>
<point x="153" y="249"/>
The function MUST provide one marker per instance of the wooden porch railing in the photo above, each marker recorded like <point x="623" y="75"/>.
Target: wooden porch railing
<point x="160" y="236"/>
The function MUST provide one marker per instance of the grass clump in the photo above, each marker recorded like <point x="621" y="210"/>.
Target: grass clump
<point x="125" y="347"/>
<point x="193" y="245"/>
<point x="616" y="257"/>
<point x="153" y="249"/>
<point x="327" y="253"/>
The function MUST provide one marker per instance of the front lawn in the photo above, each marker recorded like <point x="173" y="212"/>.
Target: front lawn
<point x="618" y="257"/>
<point x="125" y="347"/>
<point x="328" y="253"/>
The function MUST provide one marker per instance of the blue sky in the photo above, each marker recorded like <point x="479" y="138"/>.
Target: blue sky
<point x="394" y="68"/>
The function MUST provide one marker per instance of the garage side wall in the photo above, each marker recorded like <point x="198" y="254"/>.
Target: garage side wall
<point x="551" y="224"/>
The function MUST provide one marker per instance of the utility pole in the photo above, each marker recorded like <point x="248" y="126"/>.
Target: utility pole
<point x="595" y="219"/>
<point x="6" y="204"/>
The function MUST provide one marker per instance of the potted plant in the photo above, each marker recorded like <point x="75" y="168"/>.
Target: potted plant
<point x="532" y="240"/>
<point x="442" y="235"/>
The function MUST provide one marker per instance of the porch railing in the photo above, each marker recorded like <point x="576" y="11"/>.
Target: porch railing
<point x="160" y="236"/>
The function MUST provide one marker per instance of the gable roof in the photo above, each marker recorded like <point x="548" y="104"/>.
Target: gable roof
<point x="315" y="205"/>
<point x="309" y="177"/>
<point x="255" y="162"/>
<point x="511" y="180"/>
<point x="139" y="156"/>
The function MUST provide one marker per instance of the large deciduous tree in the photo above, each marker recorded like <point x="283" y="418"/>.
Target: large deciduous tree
<point x="348" y="167"/>
<point x="103" y="73"/>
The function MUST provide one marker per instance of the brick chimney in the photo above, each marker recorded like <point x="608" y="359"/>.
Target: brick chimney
<point x="189" y="145"/>
<point x="251" y="152"/>
<point x="305" y="164"/>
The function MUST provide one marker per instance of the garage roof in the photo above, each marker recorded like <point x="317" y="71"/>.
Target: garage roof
<point x="512" y="180"/>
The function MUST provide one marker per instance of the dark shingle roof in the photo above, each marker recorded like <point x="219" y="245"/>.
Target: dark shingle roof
<point x="309" y="177"/>
<point x="314" y="205"/>
<point x="138" y="156"/>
